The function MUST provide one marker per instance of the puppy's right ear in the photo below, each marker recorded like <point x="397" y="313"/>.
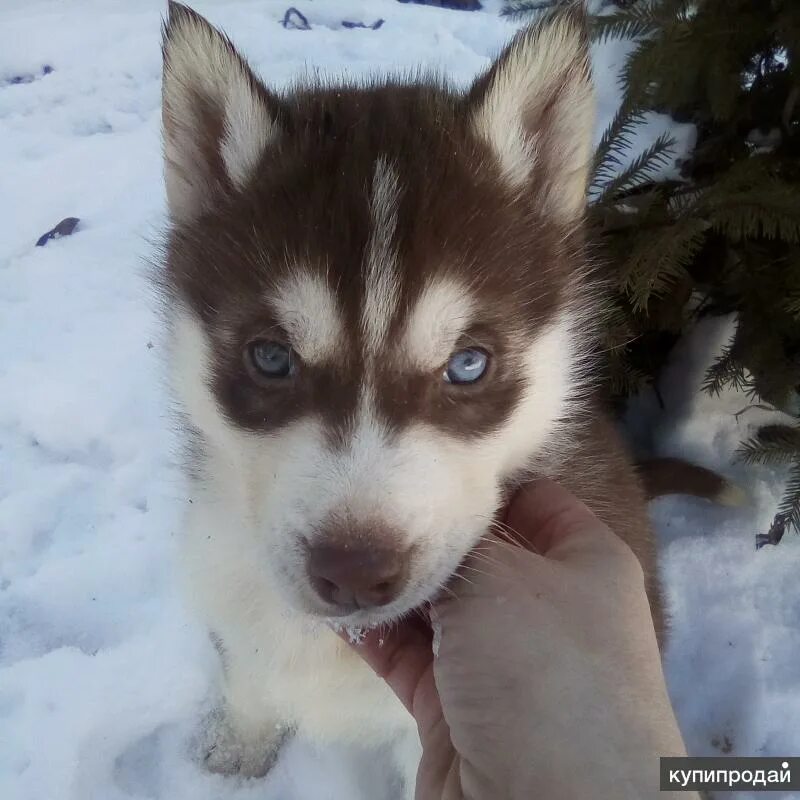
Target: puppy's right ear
<point x="535" y="110"/>
<point x="218" y="117"/>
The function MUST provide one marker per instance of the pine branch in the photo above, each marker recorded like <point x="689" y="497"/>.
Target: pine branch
<point x="789" y="508"/>
<point x="684" y="201"/>
<point x="727" y="370"/>
<point x="660" y="259"/>
<point x="617" y="140"/>
<point x="624" y="380"/>
<point x="641" y="169"/>
<point x="629" y="23"/>
<point x="771" y="211"/>
<point x="772" y="444"/>
<point x="730" y="232"/>
<point x="522" y="8"/>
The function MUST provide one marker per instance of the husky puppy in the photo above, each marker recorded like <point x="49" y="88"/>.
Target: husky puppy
<point x="381" y="320"/>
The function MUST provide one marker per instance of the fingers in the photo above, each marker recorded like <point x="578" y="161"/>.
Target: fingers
<point x="402" y="657"/>
<point x="544" y="518"/>
<point x="551" y="521"/>
<point x="543" y="523"/>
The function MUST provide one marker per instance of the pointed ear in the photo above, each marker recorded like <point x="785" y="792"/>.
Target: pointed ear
<point x="218" y="118"/>
<point x="535" y="109"/>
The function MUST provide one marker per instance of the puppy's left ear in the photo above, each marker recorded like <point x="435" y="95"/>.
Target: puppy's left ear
<point x="535" y="109"/>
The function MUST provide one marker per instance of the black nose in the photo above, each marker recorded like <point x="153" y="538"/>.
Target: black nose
<point x="355" y="577"/>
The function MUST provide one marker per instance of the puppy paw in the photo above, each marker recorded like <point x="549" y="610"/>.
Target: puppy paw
<point x="227" y="750"/>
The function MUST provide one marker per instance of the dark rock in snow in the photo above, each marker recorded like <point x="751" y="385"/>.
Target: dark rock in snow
<point x="294" y="20"/>
<point x="26" y="78"/>
<point x="456" y="5"/>
<point x="775" y="533"/>
<point x="375" y="25"/>
<point x="64" y="228"/>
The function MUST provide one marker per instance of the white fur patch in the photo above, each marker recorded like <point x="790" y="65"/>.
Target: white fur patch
<point x="199" y="63"/>
<point x="540" y="95"/>
<point x="308" y="311"/>
<point x="257" y="497"/>
<point x="382" y="289"/>
<point x="248" y="131"/>
<point x="442" y="313"/>
<point x="282" y="668"/>
<point x="260" y="495"/>
<point x="439" y="491"/>
<point x="555" y="375"/>
<point x="191" y="369"/>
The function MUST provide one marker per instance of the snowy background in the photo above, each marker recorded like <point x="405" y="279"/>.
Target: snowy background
<point x="103" y="675"/>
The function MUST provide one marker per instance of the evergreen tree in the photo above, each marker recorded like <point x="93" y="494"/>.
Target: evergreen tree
<point x="723" y="235"/>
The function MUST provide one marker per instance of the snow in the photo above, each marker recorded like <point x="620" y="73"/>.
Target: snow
<point x="732" y="659"/>
<point x="104" y="677"/>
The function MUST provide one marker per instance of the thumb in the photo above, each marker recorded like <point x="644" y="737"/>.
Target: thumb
<point x="403" y="657"/>
<point x="552" y="522"/>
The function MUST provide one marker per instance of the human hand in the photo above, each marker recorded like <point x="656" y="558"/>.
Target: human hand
<point x="544" y="677"/>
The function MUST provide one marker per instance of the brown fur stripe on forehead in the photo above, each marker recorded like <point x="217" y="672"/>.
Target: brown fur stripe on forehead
<point x="311" y="208"/>
<point x="310" y="196"/>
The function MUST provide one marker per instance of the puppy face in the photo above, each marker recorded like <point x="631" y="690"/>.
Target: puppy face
<point x="377" y="304"/>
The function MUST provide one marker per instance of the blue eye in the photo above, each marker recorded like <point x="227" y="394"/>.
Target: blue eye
<point x="272" y="359"/>
<point x="466" y="366"/>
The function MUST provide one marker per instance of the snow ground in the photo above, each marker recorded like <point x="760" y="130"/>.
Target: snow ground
<point x="103" y="675"/>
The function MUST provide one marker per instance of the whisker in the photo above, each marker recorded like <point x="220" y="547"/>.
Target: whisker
<point x="464" y="578"/>
<point x="511" y="534"/>
<point x="445" y="588"/>
<point x="476" y="570"/>
<point x="482" y="556"/>
<point x="504" y="529"/>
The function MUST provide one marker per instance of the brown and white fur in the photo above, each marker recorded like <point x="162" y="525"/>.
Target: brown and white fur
<point x="373" y="229"/>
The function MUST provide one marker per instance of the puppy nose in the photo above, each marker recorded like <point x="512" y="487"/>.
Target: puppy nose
<point x="355" y="577"/>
